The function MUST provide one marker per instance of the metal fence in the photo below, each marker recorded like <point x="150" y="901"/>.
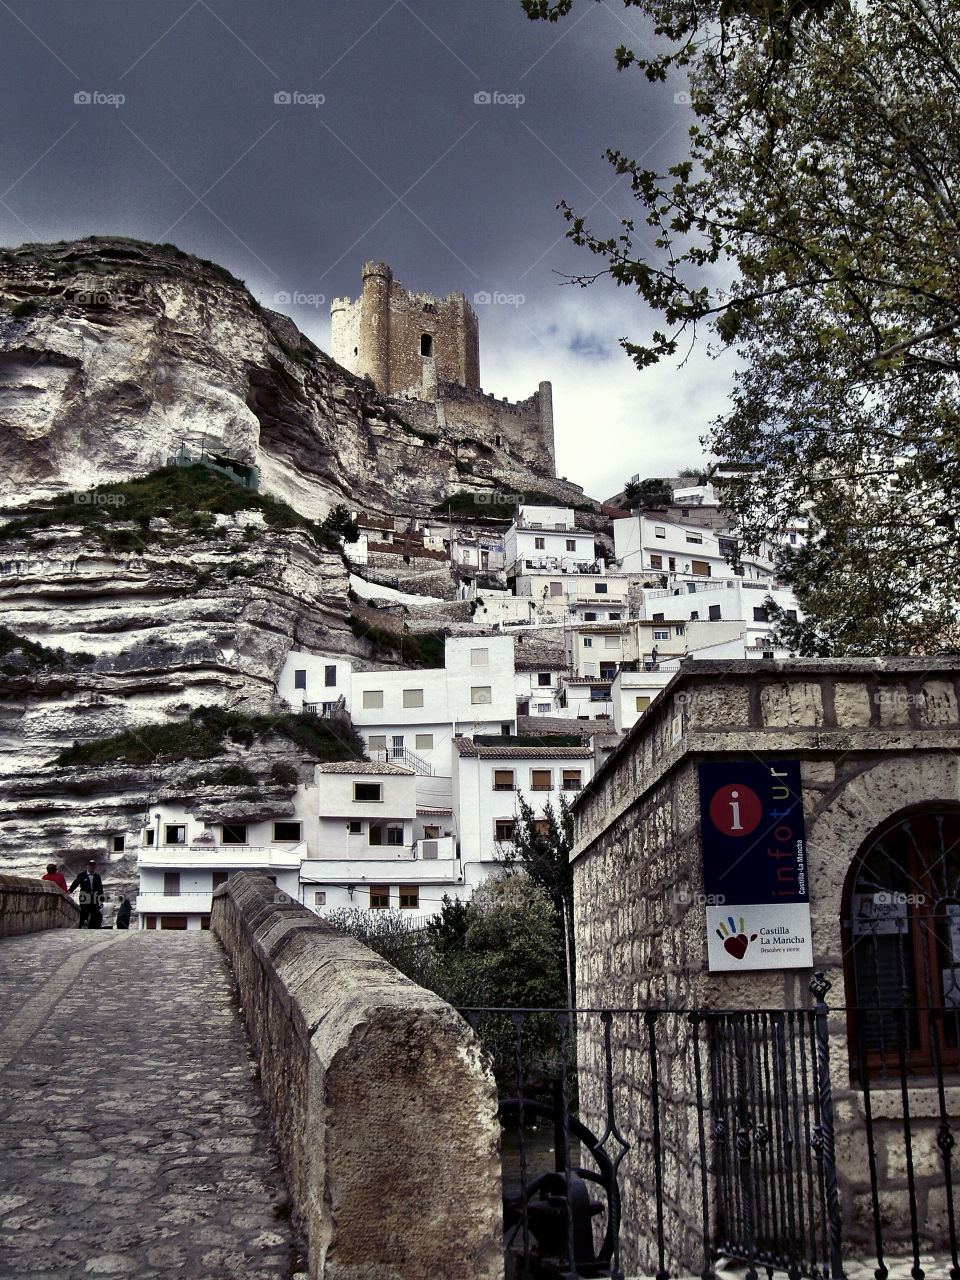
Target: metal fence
<point x="658" y="1141"/>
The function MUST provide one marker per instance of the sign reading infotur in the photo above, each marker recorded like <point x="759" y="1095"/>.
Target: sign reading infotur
<point x="755" y="866"/>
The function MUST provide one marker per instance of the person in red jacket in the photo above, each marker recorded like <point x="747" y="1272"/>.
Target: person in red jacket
<point x="56" y="876"/>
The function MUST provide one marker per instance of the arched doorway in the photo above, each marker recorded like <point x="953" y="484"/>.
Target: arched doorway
<point x="901" y="946"/>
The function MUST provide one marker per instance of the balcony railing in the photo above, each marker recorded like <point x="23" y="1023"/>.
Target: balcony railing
<point x="228" y="856"/>
<point x="403" y="756"/>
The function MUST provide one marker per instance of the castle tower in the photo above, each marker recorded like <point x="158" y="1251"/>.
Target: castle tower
<point x="408" y="343"/>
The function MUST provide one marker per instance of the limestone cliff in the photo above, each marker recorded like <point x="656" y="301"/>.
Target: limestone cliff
<point x="112" y="352"/>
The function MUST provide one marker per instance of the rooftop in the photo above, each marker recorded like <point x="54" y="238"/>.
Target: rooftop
<point x="364" y="766"/>
<point x="466" y="747"/>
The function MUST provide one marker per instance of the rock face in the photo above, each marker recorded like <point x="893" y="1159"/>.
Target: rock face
<point x="113" y="352"/>
<point x="154" y="634"/>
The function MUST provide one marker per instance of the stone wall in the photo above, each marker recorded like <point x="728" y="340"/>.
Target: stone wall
<point x="874" y="738"/>
<point x="384" y="1109"/>
<point x="28" y="905"/>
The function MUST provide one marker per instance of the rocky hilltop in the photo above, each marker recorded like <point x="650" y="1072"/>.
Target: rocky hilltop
<point x="113" y="352"/>
<point x="146" y="610"/>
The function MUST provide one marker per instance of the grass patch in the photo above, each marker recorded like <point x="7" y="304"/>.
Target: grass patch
<point x="208" y="731"/>
<point x="189" y="498"/>
<point x="19" y="655"/>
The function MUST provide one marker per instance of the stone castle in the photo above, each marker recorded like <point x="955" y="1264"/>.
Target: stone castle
<point x="425" y="351"/>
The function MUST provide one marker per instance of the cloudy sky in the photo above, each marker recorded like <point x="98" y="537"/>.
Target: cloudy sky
<point x="291" y="142"/>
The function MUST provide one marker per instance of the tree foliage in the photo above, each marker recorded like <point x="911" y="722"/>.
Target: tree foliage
<point x="813" y="228"/>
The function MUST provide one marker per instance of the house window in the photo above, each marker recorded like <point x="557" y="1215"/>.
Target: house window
<point x="426" y="345"/>
<point x="659" y="531"/>
<point x="672" y="564"/>
<point x="543" y="708"/>
<point x="600" y="588"/>
<point x="714" y="613"/>
<point x="395" y="834"/>
<point x="409" y="897"/>
<point x="902" y="947"/>
<point x="539" y="544"/>
<point x="175" y="835"/>
<point x="588" y="642"/>
<point x="319" y="897"/>
<point x="541" y="780"/>
<point x="571" y="544"/>
<point x="608" y="670"/>
<point x="656" y="562"/>
<point x="355" y="826"/>
<point x="600" y="694"/>
<point x="423" y="741"/>
<point x="232" y="833"/>
<point x="556" y="588"/>
<point x="695" y="616"/>
<point x="219" y="877"/>
<point x="377" y="742"/>
<point x="589" y="617"/>
<point x="479" y="657"/>
<point x="171" y="884"/>
<point x="791" y="614"/>
<point x="701" y="568"/>
<point x="613" y="617"/>
<point x="371" y="792"/>
<point x="149" y="836"/>
<point x="373" y="698"/>
<point x="413" y="697"/>
<point x="658" y="617"/>
<point x="330" y="676"/>
<point x="541" y="826"/>
<point x="589" y="668"/>
<point x="503" y="830"/>
<point x="572" y="779"/>
<point x="299" y="679"/>
<point x="695" y="537"/>
<point x="375" y="834"/>
<point x="760" y="615"/>
<point x="480" y="695"/>
<point x="503" y="780"/>
<point x="611" y="642"/>
<point x="379" y="897"/>
<point x="283" y="831"/>
<point x="642" y="703"/>
<point x="662" y="635"/>
<point x="118" y="844"/>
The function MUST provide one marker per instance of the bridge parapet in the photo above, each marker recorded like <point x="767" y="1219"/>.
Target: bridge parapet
<point x="383" y="1104"/>
<point x="28" y="905"/>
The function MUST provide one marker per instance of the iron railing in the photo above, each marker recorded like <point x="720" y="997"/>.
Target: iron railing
<point x="661" y="1142"/>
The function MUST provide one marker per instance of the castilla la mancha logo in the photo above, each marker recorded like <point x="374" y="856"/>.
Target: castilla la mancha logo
<point x="735" y="939"/>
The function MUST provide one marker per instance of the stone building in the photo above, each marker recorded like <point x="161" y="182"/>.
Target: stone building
<point x="424" y="353"/>
<point x="874" y="748"/>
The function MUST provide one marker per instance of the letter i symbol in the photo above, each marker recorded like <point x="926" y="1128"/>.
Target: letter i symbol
<point x="736" y="826"/>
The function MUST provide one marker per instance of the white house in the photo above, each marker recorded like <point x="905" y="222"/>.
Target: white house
<point x="182" y="859"/>
<point x="487" y="780"/>
<point x="385" y="840"/>
<point x="648" y="545"/>
<point x="725" y="600"/>
<point x="546" y="538"/>
<point x="412" y="716"/>
<point x="314" y="682"/>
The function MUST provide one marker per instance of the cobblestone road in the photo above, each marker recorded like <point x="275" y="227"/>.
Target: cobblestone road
<point x="133" y="1138"/>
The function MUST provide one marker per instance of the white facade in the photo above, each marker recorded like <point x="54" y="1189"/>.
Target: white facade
<point x="386" y="840"/>
<point x="721" y="600"/>
<point x="486" y="783"/>
<point x="546" y="539"/>
<point x="540" y="690"/>
<point x="182" y="860"/>
<point x="646" y="545"/>
<point x="423" y="711"/>
<point x="314" y="681"/>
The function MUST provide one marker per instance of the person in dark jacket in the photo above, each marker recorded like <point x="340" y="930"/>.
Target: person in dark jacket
<point x="90" y="896"/>
<point x="123" y="914"/>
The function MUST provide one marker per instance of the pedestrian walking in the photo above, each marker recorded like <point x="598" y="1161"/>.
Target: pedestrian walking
<point x="123" y="914"/>
<point x="90" y="896"/>
<point x="56" y="875"/>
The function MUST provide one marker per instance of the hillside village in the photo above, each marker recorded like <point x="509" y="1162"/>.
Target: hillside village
<point x="499" y="643"/>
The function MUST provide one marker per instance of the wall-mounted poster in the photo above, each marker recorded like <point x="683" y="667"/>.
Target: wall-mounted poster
<point x="755" y="866"/>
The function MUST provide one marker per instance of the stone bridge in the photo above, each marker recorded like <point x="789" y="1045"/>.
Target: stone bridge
<point x="268" y="1101"/>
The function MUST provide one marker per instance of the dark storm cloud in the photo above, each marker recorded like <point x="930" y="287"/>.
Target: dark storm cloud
<point x="292" y="143"/>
